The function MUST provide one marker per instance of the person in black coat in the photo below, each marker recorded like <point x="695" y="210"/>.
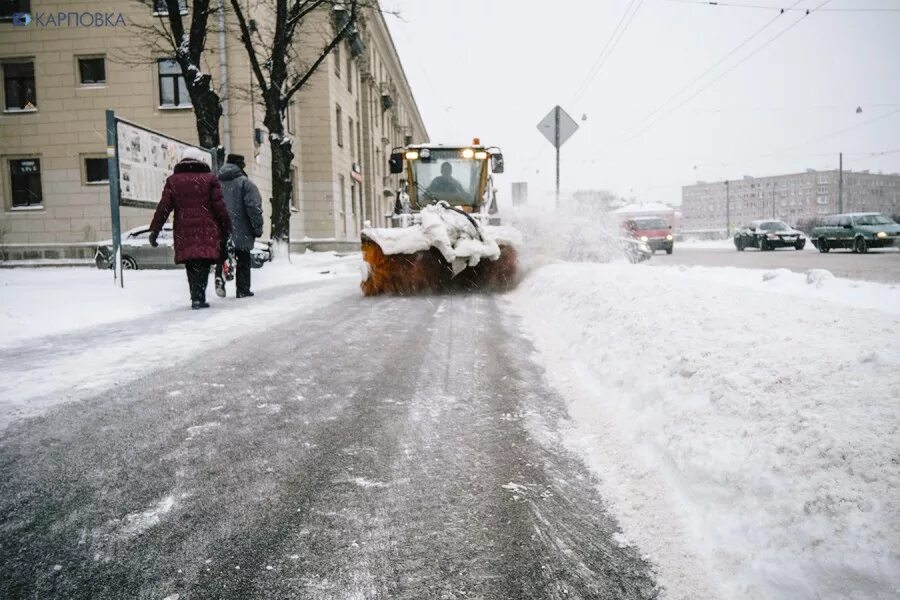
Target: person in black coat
<point x="245" y="208"/>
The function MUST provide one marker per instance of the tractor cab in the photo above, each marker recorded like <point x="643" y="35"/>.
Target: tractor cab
<point x="457" y="175"/>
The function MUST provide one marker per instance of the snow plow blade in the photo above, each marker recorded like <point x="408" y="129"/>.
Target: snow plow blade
<point x="426" y="271"/>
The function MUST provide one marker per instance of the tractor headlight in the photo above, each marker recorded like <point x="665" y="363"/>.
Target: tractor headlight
<point x="643" y="238"/>
<point x="669" y="238"/>
<point x="412" y="155"/>
<point x="481" y="155"/>
<point x="468" y="153"/>
<point x="881" y="235"/>
<point x="425" y="153"/>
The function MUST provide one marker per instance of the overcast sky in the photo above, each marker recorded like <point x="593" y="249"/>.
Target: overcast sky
<point x="494" y="68"/>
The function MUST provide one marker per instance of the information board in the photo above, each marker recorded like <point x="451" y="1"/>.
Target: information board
<point x="146" y="158"/>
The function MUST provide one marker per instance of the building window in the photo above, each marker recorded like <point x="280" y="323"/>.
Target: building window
<point x="349" y="72"/>
<point x="8" y="7"/>
<point x="92" y="70"/>
<point x="18" y="86"/>
<point x="337" y="61"/>
<point x="96" y="170"/>
<point x="172" y="89"/>
<point x="289" y="118"/>
<point x="160" y="7"/>
<point x="340" y="126"/>
<point x="295" y="197"/>
<point x="25" y="182"/>
<point x="352" y="143"/>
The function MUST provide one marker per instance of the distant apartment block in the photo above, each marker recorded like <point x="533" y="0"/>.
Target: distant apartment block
<point x="790" y="198"/>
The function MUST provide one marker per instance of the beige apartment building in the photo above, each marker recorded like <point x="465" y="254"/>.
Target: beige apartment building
<point x="791" y="198"/>
<point x="60" y="77"/>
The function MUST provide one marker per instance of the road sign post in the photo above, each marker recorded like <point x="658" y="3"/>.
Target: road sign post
<point x="557" y="127"/>
<point x="112" y="155"/>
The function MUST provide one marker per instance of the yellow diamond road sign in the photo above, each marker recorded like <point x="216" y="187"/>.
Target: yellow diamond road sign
<point x="557" y="126"/>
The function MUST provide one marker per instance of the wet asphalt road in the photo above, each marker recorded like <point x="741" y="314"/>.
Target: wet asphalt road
<point x="876" y="265"/>
<point x="376" y="448"/>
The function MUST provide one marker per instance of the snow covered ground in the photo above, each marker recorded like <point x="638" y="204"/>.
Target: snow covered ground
<point x="41" y="302"/>
<point x="743" y="424"/>
<point x="115" y="335"/>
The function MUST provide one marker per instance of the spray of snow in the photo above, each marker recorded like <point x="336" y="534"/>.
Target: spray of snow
<point x="574" y="233"/>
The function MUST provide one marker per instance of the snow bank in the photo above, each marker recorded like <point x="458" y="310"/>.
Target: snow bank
<point x="744" y="431"/>
<point x="40" y="302"/>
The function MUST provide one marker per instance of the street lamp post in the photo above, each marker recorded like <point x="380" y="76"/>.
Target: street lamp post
<point x="727" y="210"/>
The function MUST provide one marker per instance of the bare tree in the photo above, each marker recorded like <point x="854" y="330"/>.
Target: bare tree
<point x="187" y="44"/>
<point x="280" y="73"/>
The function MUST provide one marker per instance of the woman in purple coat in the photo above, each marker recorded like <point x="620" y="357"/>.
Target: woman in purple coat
<point x="201" y="222"/>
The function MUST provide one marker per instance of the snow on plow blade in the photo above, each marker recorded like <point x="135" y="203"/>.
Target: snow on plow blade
<point x="445" y="250"/>
<point x="426" y="271"/>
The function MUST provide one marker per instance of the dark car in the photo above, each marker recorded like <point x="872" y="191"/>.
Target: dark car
<point x="857" y="232"/>
<point x="137" y="253"/>
<point x="768" y="235"/>
<point x="653" y="230"/>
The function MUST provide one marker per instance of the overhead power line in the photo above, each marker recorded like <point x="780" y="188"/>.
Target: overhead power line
<point x="608" y="47"/>
<point x="712" y="68"/>
<point x="727" y="71"/>
<point x="780" y="8"/>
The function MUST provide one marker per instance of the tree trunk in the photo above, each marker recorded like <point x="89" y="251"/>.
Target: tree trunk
<point x="281" y="148"/>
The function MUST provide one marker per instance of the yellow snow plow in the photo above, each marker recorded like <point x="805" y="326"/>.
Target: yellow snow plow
<point x="445" y="234"/>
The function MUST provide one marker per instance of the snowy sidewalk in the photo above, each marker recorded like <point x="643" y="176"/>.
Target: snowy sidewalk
<point x="743" y="423"/>
<point x="68" y="333"/>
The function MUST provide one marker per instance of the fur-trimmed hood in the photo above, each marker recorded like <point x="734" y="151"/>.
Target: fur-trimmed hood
<point x="189" y="165"/>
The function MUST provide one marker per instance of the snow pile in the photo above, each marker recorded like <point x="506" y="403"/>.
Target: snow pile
<point x="744" y="432"/>
<point x="455" y="236"/>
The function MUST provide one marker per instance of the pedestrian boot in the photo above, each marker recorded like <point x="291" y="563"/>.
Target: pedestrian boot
<point x="245" y="294"/>
<point x="220" y="287"/>
<point x="196" y="305"/>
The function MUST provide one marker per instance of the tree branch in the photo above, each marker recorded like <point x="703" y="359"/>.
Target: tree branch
<point x="324" y="54"/>
<point x="248" y="45"/>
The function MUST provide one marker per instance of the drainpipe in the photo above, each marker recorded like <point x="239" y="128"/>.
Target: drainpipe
<point x="223" y="78"/>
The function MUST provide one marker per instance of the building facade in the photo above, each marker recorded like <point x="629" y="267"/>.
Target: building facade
<point x="61" y="76"/>
<point x="791" y="198"/>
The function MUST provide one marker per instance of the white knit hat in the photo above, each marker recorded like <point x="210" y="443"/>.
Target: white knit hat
<point x="191" y="153"/>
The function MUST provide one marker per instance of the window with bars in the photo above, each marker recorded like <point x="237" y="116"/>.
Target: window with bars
<point x="92" y="70"/>
<point x="9" y="7"/>
<point x="19" y="88"/>
<point x="96" y="170"/>
<point x="25" y="182"/>
<point x="161" y="8"/>
<point x="172" y="88"/>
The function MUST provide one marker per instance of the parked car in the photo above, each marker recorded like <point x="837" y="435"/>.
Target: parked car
<point x="652" y="230"/>
<point x="137" y="253"/>
<point x="856" y="231"/>
<point x="768" y="235"/>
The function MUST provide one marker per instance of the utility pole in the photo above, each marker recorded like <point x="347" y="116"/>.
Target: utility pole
<point x="841" y="182"/>
<point x="727" y="211"/>
<point x="773" y="201"/>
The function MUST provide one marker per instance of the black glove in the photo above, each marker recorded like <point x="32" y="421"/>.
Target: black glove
<point x="153" y="236"/>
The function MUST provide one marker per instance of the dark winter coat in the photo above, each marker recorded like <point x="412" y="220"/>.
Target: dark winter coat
<point x="244" y="206"/>
<point x="201" y="221"/>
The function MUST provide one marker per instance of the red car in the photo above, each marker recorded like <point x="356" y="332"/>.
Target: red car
<point x="652" y="230"/>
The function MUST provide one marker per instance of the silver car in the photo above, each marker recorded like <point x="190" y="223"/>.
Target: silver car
<point x="137" y="253"/>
